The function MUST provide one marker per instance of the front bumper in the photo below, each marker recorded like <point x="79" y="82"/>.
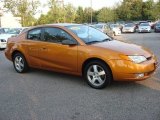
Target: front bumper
<point x="157" y="30"/>
<point x="3" y="45"/>
<point x="127" y="70"/>
<point x="128" y="30"/>
<point x="144" y="30"/>
<point x="117" y="32"/>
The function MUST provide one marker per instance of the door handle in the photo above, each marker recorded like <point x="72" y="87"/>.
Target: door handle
<point x="43" y="48"/>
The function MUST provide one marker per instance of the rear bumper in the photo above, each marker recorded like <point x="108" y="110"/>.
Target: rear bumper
<point x="129" y="71"/>
<point x="157" y="30"/>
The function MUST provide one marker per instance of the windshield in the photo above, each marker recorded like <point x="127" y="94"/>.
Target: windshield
<point x="144" y="24"/>
<point x="129" y="25"/>
<point x="88" y="34"/>
<point x="114" y="26"/>
<point x="158" y="24"/>
<point x="98" y="26"/>
<point x="13" y="31"/>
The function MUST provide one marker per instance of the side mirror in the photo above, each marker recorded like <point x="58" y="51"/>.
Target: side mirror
<point x="69" y="42"/>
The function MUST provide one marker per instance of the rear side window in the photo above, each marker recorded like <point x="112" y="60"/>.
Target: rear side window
<point x="34" y="34"/>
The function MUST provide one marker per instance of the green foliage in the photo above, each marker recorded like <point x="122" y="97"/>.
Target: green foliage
<point x="147" y="10"/>
<point x="58" y="12"/>
<point x="138" y="10"/>
<point x="106" y="15"/>
<point x="24" y="9"/>
<point x="69" y="13"/>
<point x="79" y="15"/>
<point x="88" y="13"/>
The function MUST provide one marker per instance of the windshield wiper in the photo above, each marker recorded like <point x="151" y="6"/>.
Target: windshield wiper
<point x="92" y="42"/>
<point x="107" y="39"/>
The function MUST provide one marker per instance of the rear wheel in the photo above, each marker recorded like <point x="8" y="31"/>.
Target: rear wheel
<point x="97" y="74"/>
<point x="114" y="33"/>
<point x="155" y="30"/>
<point x="20" y="63"/>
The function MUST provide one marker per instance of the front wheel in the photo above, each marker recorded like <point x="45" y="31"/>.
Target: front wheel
<point x="97" y="74"/>
<point x="20" y="63"/>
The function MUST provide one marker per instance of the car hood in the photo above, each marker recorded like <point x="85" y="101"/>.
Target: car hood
<point x="143" y="27"/>
<point x="115" y="29"/>
<point x="128" y="27"/>
<point x="124" y="48"/>
<point x="6" y="36"/>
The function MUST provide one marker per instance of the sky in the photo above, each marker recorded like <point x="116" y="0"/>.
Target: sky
<point x="96" y="4"/>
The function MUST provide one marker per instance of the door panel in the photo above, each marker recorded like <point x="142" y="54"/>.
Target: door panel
<point x="32" y="45"/>
<point x="58" y="56"/>
<point x="54" y="55"/>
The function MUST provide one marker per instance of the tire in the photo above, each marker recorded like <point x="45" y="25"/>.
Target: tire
<point x="92" y="73"/>
<point x="20" y="63"/>
<point x="114" y="33"/>
<point x="155" y="30"/>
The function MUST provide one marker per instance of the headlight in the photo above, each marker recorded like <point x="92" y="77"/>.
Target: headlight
<point x="116" y="29"/>
<point x="137" y="59"/>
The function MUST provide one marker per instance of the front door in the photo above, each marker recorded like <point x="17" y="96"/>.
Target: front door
<point x="32" y="45"/>
<point x="53" y="54"/>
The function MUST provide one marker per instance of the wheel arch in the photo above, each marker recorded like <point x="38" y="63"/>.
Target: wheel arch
<point x="16" y="51"/>
<point x="95" y="59"/>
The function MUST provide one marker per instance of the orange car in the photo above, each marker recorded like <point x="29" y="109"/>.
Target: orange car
<point x="80" y="50"/>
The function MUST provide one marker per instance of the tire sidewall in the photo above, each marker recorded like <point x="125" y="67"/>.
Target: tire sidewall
<point x="106" y="69"/>
<point x="25" y="68"/>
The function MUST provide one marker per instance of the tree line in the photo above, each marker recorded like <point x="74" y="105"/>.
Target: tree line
<point x="128" y="10"/>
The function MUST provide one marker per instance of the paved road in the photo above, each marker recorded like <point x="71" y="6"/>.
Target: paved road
<point x="43" y="95"/>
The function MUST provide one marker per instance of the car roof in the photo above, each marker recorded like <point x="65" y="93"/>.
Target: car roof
<point x="100" y="24"/>
<point x="54" y="24"/>
<point x="62" y="24"/>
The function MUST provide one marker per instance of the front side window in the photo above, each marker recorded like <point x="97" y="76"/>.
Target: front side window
<point x="56" y="35"/>
<point x="34" y="34"/>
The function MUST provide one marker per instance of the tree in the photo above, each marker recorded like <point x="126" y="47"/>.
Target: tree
<point x="87" y="15"/>
<point x="130" y="10"/>
<point x="56" y="12"/>
<point x="156" y="10"/>
<point x="79" y="15"/>
<point x="147" y="10"/>
<point x="24" y="9"/>
<point x="106" y="15"/>
<point x="70" y="13"/>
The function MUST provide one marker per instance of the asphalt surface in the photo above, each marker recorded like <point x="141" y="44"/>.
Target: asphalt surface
<point x="44" y="95"/>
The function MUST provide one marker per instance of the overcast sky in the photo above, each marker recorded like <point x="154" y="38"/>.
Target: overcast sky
<point x="96" y="4"/>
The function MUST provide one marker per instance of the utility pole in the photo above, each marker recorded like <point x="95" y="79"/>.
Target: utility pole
<point x="91" y="11"/>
